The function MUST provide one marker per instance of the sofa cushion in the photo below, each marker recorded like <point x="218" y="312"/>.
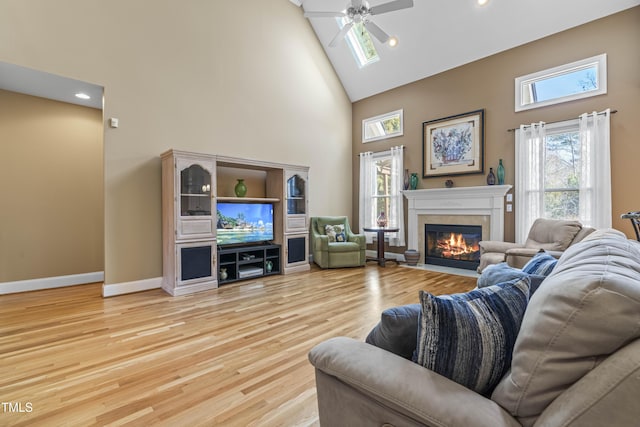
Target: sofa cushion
<point x="502" y="272"/>
<point x="541" y="264"/>
<point x="586" y="309"/>
<point x="335" y="247"/>
<point x="334" y="231"/>
<point x="397" y="330"/>
<point x="468" y="337"/>
<point x="498" y="273"/>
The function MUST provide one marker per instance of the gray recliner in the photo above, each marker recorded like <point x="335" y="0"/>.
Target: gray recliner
<point x="552" y="235"/>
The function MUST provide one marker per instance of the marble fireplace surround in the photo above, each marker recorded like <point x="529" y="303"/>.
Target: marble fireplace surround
<point x="481" y="205"/>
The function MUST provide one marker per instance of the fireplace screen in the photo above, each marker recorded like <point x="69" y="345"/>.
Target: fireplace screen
<point x="453" y="245"/>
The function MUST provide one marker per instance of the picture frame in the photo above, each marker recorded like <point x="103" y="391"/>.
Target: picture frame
<point x="453" y="145"/>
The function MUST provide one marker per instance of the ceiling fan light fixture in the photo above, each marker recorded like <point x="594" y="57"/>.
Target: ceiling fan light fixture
<point x="359" y="12"/>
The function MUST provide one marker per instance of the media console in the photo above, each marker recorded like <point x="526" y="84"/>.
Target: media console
<point x="198" y="188"/>
<point x="244" y="262"/>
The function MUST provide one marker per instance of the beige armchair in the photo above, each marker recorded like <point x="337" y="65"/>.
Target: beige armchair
<point x="334" y="249"/>
<point x="552" y="235"/>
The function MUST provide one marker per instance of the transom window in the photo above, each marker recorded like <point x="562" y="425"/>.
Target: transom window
<point x="383" y="126"/>
<point x="577" y="80"/>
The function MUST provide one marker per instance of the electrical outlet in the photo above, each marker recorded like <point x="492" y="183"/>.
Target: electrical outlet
<point x="509" y="207"/>
<point x="509" y="197"/>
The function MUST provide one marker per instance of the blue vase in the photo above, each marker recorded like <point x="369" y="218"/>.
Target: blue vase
<point x="413" y="184"/>
<point x="500" y="173"/>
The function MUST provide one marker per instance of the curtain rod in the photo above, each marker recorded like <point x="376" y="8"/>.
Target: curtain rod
<point x="558" y="121"/>
<point x="402" y="147"/>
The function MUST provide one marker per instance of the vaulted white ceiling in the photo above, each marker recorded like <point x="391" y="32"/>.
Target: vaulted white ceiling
<point x="438" y="35"/>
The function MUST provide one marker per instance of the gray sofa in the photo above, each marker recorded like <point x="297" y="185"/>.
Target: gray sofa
<point x="576" y="359"/>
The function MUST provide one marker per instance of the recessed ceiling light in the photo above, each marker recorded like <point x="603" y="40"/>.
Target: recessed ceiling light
<point x="393" y="41"/>
<point x="82" y="96"/>
<point x="482" y="2"/>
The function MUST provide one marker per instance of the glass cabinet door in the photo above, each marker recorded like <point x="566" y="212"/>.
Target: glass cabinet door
<point x="296" y="197"/>
<point x="195" y="191"/>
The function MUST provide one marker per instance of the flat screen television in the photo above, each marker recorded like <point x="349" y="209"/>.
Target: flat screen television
<point x="241" y="223"/>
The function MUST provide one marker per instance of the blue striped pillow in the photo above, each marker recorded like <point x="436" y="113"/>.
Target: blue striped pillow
<point x="469" y="338"/>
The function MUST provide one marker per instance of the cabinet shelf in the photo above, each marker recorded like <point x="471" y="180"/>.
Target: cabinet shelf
<point x="194" y="195"/>
<point x="248" y="199"/>
<point x="236" y="268"/>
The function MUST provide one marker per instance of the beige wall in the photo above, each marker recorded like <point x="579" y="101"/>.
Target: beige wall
<point x="489" y="84"/>
<point x="246" y="79"/>
<point x="51" y="221"/>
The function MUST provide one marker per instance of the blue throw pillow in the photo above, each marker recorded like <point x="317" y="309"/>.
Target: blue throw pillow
<point x="397" y="330"/>
<point x="469" y="338"/>
<point x="541" y="264"/>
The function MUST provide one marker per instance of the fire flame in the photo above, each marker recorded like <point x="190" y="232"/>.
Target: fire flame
<point x="456" y="246"/>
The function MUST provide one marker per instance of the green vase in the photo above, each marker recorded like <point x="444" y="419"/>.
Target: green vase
<point x="240" y="188"/>
<point x="500" y="173"/>
<point x="413" y="184"/>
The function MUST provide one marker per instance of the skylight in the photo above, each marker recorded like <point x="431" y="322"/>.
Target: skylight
<point x="360" y="42"/>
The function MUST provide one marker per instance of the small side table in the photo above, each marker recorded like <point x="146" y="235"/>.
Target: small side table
<point x="380" y="232"/>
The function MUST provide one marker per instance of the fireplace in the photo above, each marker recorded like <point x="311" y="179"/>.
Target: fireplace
<point x="452" y="245"/>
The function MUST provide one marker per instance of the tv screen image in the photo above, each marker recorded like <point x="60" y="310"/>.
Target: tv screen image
<point x="241" y="223"/>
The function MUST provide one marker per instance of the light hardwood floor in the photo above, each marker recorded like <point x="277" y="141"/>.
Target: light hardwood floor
<point x="235" y="356"/>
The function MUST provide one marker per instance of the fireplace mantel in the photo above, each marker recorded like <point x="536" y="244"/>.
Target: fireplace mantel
<point x="485" y="200"/>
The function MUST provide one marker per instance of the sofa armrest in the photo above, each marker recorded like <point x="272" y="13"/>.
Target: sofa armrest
<point x="606" y="396"/>
<point x="497" y="246"/>
<point x="531" y="252"/>
<point x="403" y="386"/>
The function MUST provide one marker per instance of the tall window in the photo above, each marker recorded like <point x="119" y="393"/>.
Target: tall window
<point x="563" y="171"/>
<point x="381" y="187"/>
<point x="382" y="193"/>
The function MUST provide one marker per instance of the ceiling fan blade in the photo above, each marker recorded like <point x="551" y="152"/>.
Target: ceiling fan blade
<point x="376" y="31"/>
<point x="324" y="14"/>
<point x="343" y="32"/>
<point x="390" y="6"/>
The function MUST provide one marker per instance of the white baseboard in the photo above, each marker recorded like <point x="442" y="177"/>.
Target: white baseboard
<point x="50" y="282"/>
<point x="131" y="287"/>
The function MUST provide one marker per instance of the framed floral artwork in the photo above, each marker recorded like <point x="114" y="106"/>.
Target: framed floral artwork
<point x="453" y="145"/>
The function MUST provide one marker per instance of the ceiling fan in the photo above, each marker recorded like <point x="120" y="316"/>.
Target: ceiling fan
<point x="359" y="11"/>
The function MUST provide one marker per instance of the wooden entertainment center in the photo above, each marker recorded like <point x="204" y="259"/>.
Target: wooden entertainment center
<point x="192" y="186"/>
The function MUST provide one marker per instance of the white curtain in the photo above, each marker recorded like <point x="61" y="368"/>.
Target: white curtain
<point x="396" y="207"/>
<point x="366" y="215"/>
<point x="595" y="182"/>
<point x="529" y="180"/>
